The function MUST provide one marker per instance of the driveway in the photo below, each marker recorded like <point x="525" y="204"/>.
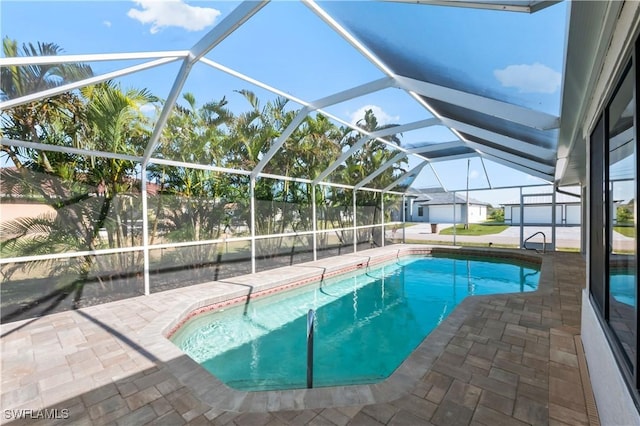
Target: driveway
<point x="566" y="236"/>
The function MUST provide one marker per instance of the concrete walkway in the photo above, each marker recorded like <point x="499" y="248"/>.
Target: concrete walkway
<point x="499" y="360"/>
<point x="566" y="236"/>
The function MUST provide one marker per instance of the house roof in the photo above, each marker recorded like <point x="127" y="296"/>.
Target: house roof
<point x="545" y="199"/>
<point x="15" y="183"/>
<point x="446" y="198"/>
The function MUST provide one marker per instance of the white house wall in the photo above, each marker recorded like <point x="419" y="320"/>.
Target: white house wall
<point x="532" y="214"/>
<point x="477" y="213"/>
<point x="615" y="406"/>
<point x="565" y="214"/>
<point x="444" y="214"/>
<point x="573" y="215"/>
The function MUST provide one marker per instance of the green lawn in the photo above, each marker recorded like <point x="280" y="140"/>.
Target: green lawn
<point x="627" y="231"/>
<point x="475" y="229"/>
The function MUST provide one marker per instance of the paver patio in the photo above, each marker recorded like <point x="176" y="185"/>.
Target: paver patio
<point x="496" y="360"/>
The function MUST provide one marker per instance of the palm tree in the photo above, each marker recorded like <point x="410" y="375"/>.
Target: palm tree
<point x="191" y="204"/>
<point x="112" y="122"/>
<point x="364" y="162"/>
<point x="44" y="120"/>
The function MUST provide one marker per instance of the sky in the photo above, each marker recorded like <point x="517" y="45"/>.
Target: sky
<point x="505" y="55"/>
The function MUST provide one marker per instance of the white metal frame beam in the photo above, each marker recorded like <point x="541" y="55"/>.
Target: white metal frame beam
<point x="513" y="158"/>
<point x="328" y="19"/>
<point x="517" y="114"/>
<point x="514" y="113"/>
<point x="234" y="20"/>
<point x="253" y="81"/>
<point x="411" y="173"/>
<point x="82" y="83"/>
<point x="486" y="175"/>
<point x="170" y="163"/>
<point x="516" y="6"/>
<point x="435" y="146"/>
<point x="361" y="90"/>
<point x="453" y="157"/>
<point x="354" y="92"/>
<point x="230" y="23"/>
<point x="510" y="161"/>
<point x="345" y="95"/>
<point x="381" y="169"/>
<point x="500" y="139"/>
<point x="297" y="120"/>
<point x="94" y="57"/>
<point x="70" y="150"/>
<point x="373" y="135"/>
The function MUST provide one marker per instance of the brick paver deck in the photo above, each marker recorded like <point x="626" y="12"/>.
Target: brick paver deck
<point x="497" y="360"/>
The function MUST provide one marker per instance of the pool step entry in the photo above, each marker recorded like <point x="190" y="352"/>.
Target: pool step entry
<point x="311" y="318"/>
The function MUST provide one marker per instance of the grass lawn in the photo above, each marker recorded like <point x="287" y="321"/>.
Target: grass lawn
<point x="627" y="231"/>
<point x="460" y="243"/>
<point x="476" y="229"/>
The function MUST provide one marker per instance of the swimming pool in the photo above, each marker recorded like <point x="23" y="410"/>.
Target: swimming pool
<point x="367" y="322"/>
<point x="623" y="287"/>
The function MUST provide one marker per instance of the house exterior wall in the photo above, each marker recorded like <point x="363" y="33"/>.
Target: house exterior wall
<point x="615" y="405"/>
<point x="613" y="398"/>
<point x="477" y="213"/>
<point x="573" y="215"/>
<point x="413" y="214"/>
<point x="566" y="214"/>
<point x="444" y="214"/>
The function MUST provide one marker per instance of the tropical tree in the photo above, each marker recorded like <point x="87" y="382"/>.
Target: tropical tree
<point x="87" y="194"/>
<point x="365" y="161"/>
<point x="50" y="120"/>
<point x="193" y="203"/>
<point x="115" y="123"/>
<point x="251" y="135"/>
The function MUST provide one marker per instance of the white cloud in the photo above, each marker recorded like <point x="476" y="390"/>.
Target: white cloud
<point x="535" y="78"/>
<point x="382" y="117"/>
<point x="107" y="24"/>
<point x="147" y="108"/>
<point x="173" y="13"/>
<point x="473" y="174"/>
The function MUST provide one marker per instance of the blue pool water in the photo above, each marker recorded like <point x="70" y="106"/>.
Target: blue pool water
<point x="367" y="323"/>
<point x="623" y="287"/>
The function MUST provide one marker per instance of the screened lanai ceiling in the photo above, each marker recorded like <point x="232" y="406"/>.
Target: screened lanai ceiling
<point x="469" y="88"/>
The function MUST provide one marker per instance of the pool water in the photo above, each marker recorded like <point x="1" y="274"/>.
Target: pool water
<point x="623" y="287"/>
<point x="367" y="323"/>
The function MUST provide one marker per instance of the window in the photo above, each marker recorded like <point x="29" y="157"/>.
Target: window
<point x="613" y="191"/>
<point x="420" y="211"/>
<point x="621" y="177"/>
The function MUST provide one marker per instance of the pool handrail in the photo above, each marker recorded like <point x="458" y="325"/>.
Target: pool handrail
<point x="311" y="317"/>
<point x="544" y="241"/>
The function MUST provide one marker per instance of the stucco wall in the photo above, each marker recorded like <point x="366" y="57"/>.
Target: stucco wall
<point x="615" y="406"/>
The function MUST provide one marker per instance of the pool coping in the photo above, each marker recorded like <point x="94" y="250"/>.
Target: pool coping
<point x="219" y="294"/>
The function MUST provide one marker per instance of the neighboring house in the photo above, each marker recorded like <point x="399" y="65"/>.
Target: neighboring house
<point x="28" y="194"/>
<point x="439" y="208"/>
<point x="538" y="210"/>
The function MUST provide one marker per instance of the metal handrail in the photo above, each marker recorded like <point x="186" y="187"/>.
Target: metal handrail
<point x="544" y="241"/>
<point x="311" y="317"/>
